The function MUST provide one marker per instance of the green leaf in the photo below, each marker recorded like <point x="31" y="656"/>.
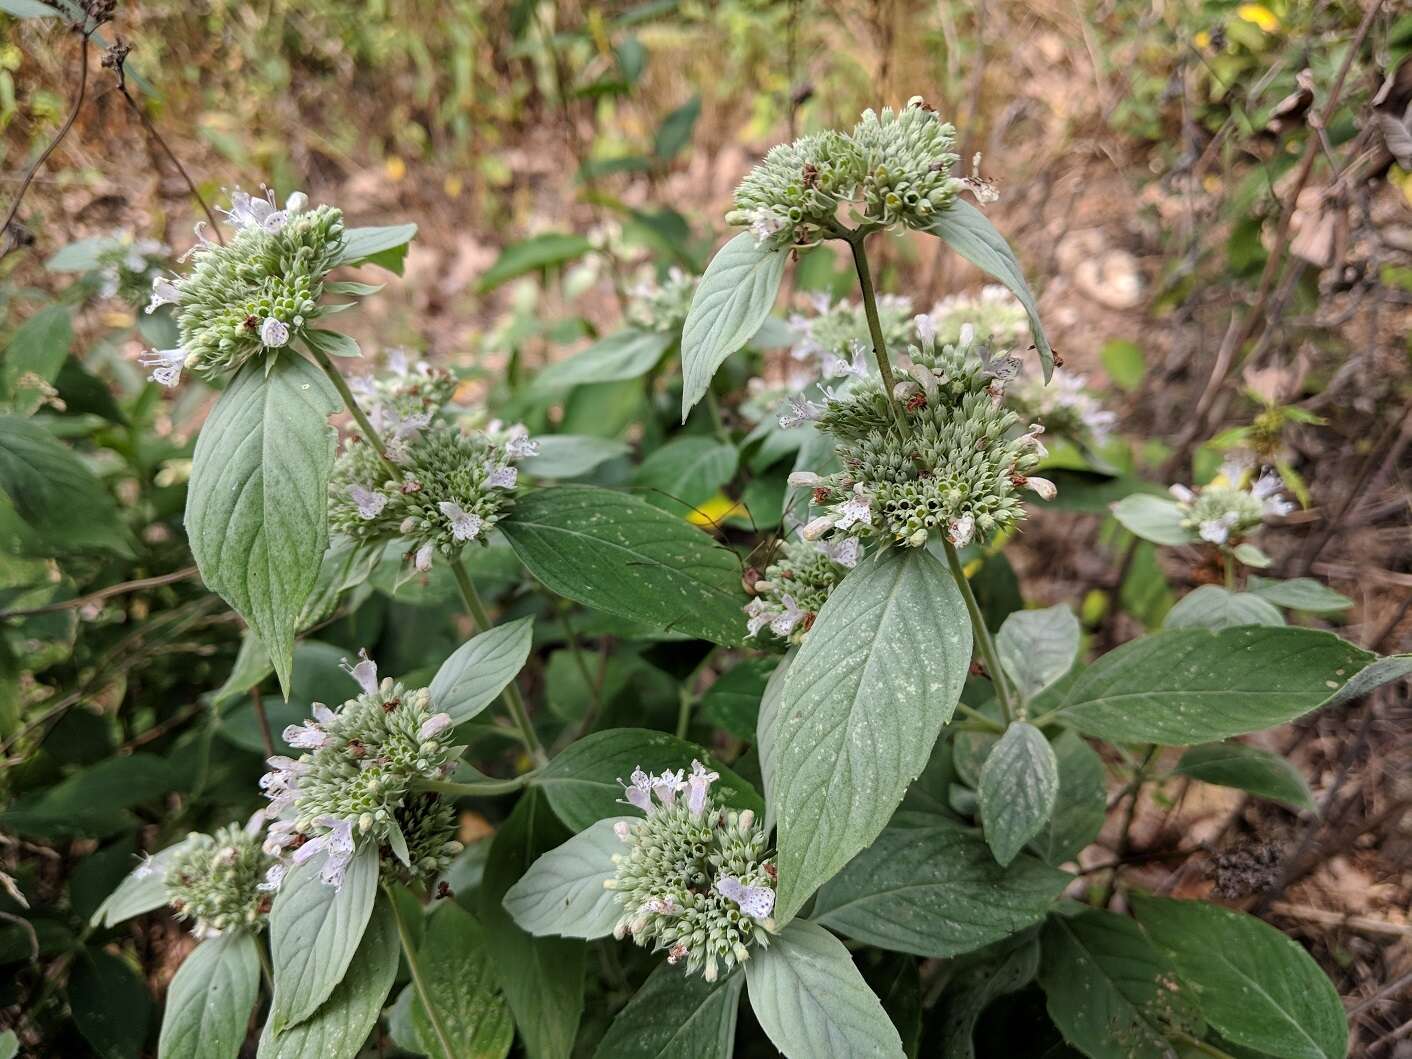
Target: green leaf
<point x="811" y="1001"/>
<point x="731" y="302"/>
<point x="460" y="984"/>
<point x="617" y="553"/>
<point x="9" y="1043"/>
<point x="63" y="507"/>
<point x="340" y="1026"/>
<point x="251" y="667"/>
<point x="685" y="473"/>
<point x="1247" y="768"/>
<point x="582" y="781"/>
<point x="563" y="891"/>
<point x="1254" y="985"/>
<point x="1213" y="607"/>
<point x="625" y="354"/>
<point x="1081" y="806"/>
<point x="110" y="1004"/>
<point x="315" y="931"/>
<point x="332" y="343"/>
<point x="210" y="999"/>
<point x="861" y="706"/>
<point x="1037" y="647"/>
<point x="542" y="978"/>
<point x="930" y="887"/>
<point x="1153" y="518"/>
<point x="676" y="1016"/>
<point x="480" y="669"/>
<point x="1187" y="686"/>
<point x="1124" y="362"/>
<point x="675" y="131"/>
<point x="138" y="893"/>
<point x="540" y="251"/>
<point x="385" y="246"/>
<point x="1251" y="555"/>
<point x="1005" y="968"/>
<point x="28" y="9"/>
<point x="33" y="357"/>
<point x="82" y="254"/>
<point x="1301" y="593"/>
<point x="733" y="701"/>
<point x="92" y="801"/>
<point x="1018" y="790"/>
<point x="570" y="455"/>
<point x="967" y="231"/>
<point x="1109" y="991"/>
<point x="255" y="511"/>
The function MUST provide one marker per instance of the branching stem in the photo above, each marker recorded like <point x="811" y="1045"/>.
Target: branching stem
<point x="418" y="981"/>
<point x="985" y="643"/>
<point x="870" y="309"/>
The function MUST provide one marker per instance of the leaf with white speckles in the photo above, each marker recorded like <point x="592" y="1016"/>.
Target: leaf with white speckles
<point x="1019" y="786"/>
<point x="1187" y="686"/>
<point x="617" y="553"/>
<point x="859" y="711"/>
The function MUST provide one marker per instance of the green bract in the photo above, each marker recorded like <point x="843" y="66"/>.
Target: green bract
<point x="907" y="164"/>
<point x="795" y="586"/>
<point x="214" y="881"/>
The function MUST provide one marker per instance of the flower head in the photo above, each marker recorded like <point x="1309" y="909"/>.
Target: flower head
<point x="795" y="585"/>
<point x="694" y="880"/>
<point x="356" y="783"/>
<point x="1233" y="505"/>
<point x="661" y="306"/>
<point x="213" y="881"/>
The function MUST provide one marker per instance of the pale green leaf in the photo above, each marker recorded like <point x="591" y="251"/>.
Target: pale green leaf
<point x="314" y="932"/>
<point x="1037" y="647"/>
<point x="540" y="251"/>
<point x="256" y="510"/>
<point x="144" y="889"/>
<point x="622" y="355"/>
<point x="479" y="670"/>
<point x="967" y="231"/>
<point x="861" y="706"/>
<point x="1019" y="786"/>
<point x="570" y="455"/>
<point x="1300" y="593"/>
<point x="931" y="887"/>
<point x="1213" y="607"/>
<point x="731" y="302"/>
<point x="1153" y="518"/>
<point x="563" y="891"/>
<point x="210" y="999"/>
<point x="1081" y="806"/>
<point x="979" y="979"/>
<point x="811" y="1001"/>
<point x="685" y="473"/>
<point x="385" y="245"/>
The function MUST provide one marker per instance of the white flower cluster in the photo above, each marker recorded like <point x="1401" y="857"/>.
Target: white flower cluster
<point x="1233" y="504"/>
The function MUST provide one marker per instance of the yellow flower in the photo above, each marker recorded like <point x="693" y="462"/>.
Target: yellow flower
<point x="1259" y="15"/>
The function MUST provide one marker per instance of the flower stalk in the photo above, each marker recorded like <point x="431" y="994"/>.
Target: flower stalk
<point x="985" y="643"/>
<point x="414" y="967"/>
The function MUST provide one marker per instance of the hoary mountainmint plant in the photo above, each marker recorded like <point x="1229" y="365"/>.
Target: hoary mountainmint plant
<point x="868" y="824"/>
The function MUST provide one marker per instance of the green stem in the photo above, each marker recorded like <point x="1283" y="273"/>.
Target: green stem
<point x="595" y="697"/>
<point x="351" y="403"/>
<point x="1125" y="832"/>
<point x="870" y="308"/>
<point x="1230" y="571"/>
<point x="1200" y="1045"/>
<point x="478" y="788"/>
<point x="265" y="966"/>
<point x="683" y="712"/>
<point x="418" y="982"/>
<point x="985" y="643"/>
<point x="511" y="694"/>
<point x="981" y="719"/>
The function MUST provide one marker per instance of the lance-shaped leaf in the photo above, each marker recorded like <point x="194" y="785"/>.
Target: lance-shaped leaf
<point x="1213" y="607"/>
<point x="340" y="1026"/>
<point x="619" y="554"/>
<point x="1037" y="647"/>
<point x="676" y="1016"/>
<point x="1019" y="786"/>
<point x="563" y="892"/>
<point x="1256" y="986"/>
<point x="812" y="1002"/>
<point x="460" y="984"/>
<point x="731" y="302"/>
<point x="384" y="245"/>
<point x="966" y="230"/>
<point x="1082" y="803"/>
<point x="1300" y="593"/>
<point x="931" y="887"/>
<point x="623" y="355"/>
<point x="314" y="932"/>
<point x="860" y="709"/>
<point x="256" y="508"/>
<point x="210" y="999"/>
<point x="144" y="889"/>
<point x="1247" y="768"/>
<point x="480" y="669"/>
<point x="1187" y="686"/>
<point x="1153" y="518"/>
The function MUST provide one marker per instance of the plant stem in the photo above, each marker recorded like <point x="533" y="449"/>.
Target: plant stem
<point x="418" y="982"/>
<point x="351" y="403"/>
<point x="981" y="719"/>
<point x="985" y="643"/>
<point x="511" y="694"/>
<point x="1230" y="572"/>
<point x="477" y="789"/>
<point x="683" y="711"/>
<point x="1200" y="1045"/>
<point x="870" y="308"/>
<point x="265" y="967"/>
<point x="594" y="695"/>
<point x="1125" y="833"/>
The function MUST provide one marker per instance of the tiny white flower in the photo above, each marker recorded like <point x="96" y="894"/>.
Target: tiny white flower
<point x="623" y="831"/>
<point x="858" y="508"/>
<point x="757" y="613"/>
<point x="806" y="479"/>
<point x="501" y="477"/>
<point x="764" y="223"/>
<point x="1043" y="486"/>
<point x="800" y="411"/>
<point x="1182" y="493"/>
<point x="967" y="334"/>
<point x="1278" y="506"/>
<point x="668" y="785"/>
<point x="424" y="554"/>
<point x="464" y="524"/>
<point x="368" y="502"/>
<point x="783" y="623"/>
<point x="518" y="444"/>
<point x="817" y="528"/>
<point x="926" y="328"/>
<point x="273" y="878"/>
<point x="304" y="736"/>
<point x="274" y="333"/>
<point x="164" y="292"/>
<point x="365" y="672"/>
<point x="433" y="726"/>
<point x="961" y="530"/>
<point x="638" y="790"/>
<point x="845" y="552"/>
<point x="1215" y="530"/>
<point x="146" y="869"/>
<point x="1031" y="437"/>
<point x="757" y="902"/>
<point x="166" y="364"/>
<point x="699" y="782"/>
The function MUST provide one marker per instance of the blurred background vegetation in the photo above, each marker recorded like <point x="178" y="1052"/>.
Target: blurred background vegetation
<point x="1165" y="167"/>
